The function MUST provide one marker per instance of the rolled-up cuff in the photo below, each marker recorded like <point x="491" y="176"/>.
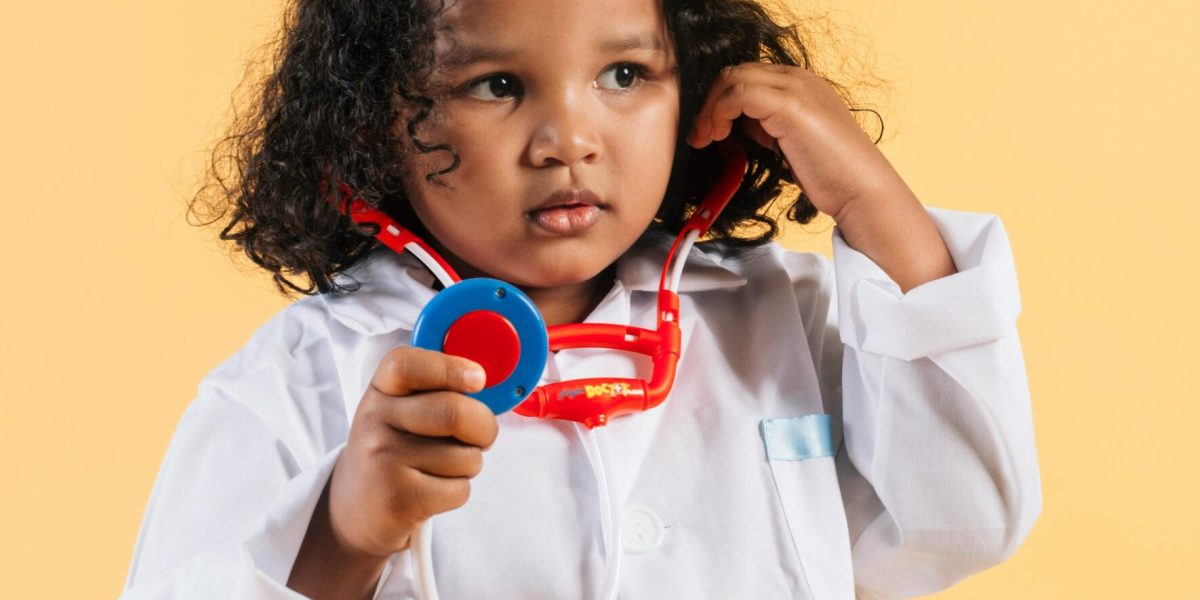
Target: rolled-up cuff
<point x="980" y="303"/>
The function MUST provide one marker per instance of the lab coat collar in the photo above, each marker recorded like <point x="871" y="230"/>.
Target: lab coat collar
<point x="641" y="266"/>
<point x="394" y="288"/>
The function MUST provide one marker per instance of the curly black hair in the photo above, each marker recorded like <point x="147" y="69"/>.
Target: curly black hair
<point x="326" y="112"/>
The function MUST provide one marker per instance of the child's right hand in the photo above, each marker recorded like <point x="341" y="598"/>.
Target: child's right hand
<point x="415" y="443"/>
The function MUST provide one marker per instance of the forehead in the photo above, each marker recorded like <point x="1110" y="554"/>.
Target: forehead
<point x="477" y="30"/>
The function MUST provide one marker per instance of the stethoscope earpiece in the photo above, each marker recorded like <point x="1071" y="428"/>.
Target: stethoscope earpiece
<point x="494" y="324"/>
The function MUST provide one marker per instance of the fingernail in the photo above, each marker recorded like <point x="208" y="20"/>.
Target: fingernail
<point x="475" y="378"/>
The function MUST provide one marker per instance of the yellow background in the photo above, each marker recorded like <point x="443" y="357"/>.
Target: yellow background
<point x="1074" y="121"/>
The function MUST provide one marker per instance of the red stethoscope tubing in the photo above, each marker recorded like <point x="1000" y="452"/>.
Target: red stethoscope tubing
<point x="604" y="398"/>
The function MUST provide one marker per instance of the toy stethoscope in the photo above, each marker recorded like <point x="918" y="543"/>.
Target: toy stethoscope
<point x="496" y="325"/>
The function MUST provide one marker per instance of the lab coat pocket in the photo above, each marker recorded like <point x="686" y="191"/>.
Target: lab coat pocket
<point x="800" y="452"/>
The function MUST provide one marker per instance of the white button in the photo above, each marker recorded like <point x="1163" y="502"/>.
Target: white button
<point x="641" y="531"/>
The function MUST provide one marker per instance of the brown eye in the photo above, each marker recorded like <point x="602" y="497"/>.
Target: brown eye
<point x="494" y="87"/>
<point x="621" y="76"/>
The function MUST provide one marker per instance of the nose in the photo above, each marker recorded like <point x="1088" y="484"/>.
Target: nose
<point x="565" y="132"/>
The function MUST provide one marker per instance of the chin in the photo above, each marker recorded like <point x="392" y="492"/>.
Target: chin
<point x="561" y="274"/>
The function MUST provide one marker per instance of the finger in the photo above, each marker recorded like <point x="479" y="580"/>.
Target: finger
<point x="428" y="495"/>
<point x="757" y="134"/>
<point x="781" y="77"/>
<point x="443" y="457"/>
<point x="441" y="415"/>
<point x="774" y="109"/>
<point x="407" y="370"/>
<point x="760" y="72"/>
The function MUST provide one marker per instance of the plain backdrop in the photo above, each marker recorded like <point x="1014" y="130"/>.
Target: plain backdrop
<point x="1074" y="121"/>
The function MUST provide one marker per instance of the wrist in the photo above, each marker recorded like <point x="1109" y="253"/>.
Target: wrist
<point x="327" y="567"/>
<point x="897" y="234"/>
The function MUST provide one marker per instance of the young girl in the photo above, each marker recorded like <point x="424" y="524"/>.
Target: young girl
<point x="860" y="428"/>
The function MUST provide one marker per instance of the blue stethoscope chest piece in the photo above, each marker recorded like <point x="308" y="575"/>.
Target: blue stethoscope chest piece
<point x="494" y="324"/>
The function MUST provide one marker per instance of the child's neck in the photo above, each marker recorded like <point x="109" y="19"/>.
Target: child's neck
<point x="558" y="305"/>
<point x="571" y="303"/>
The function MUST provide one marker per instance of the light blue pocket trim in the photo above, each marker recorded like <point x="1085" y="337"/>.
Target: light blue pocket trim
<point x="798" y="438"/>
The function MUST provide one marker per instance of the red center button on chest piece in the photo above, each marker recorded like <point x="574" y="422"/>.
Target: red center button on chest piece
<point x="488" y="339"/>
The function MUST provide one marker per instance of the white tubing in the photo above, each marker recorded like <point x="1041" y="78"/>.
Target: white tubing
<point x="422" y="556"/>
<point x="681" y="258"/>
<point x="610" y="520"/>
<point x="430" y="264"/>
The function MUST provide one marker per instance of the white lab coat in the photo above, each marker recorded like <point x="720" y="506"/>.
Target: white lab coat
<point x="934" y="474"/>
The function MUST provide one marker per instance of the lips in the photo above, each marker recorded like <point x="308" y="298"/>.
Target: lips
<point x="567" y="212"/>
<point x="569" y="198"/>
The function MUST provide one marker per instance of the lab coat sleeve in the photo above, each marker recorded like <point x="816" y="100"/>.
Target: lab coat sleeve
<point x="228" y="511"/>
<point x="234" y="494"/>
<point x="937" y="465"/>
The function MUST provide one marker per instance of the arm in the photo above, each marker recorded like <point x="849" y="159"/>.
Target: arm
<point x="938" y="468"/>
<point x="245" y="471"/>
<point x="228" y="509"/>
<point x="327" y="568"/>
<point x="894" y="231"/>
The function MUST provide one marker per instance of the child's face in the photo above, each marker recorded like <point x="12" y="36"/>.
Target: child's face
<point x="557" y="96"/>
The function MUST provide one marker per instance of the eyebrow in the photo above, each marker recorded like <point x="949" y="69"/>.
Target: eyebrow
<point x="633" y="42"/>
<point x="463" y="55"/>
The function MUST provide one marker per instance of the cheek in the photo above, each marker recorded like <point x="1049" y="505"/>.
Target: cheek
<point x="653" y="144"/>
<point x="468" y="207"/>
<point x="473" y="162"/>
<point x="662" y="118"/>
<point x="424" y="152"/>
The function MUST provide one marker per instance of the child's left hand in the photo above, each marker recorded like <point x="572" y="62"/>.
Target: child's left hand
<point x="840" y="169"/>
<point x="796" y="112"/>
